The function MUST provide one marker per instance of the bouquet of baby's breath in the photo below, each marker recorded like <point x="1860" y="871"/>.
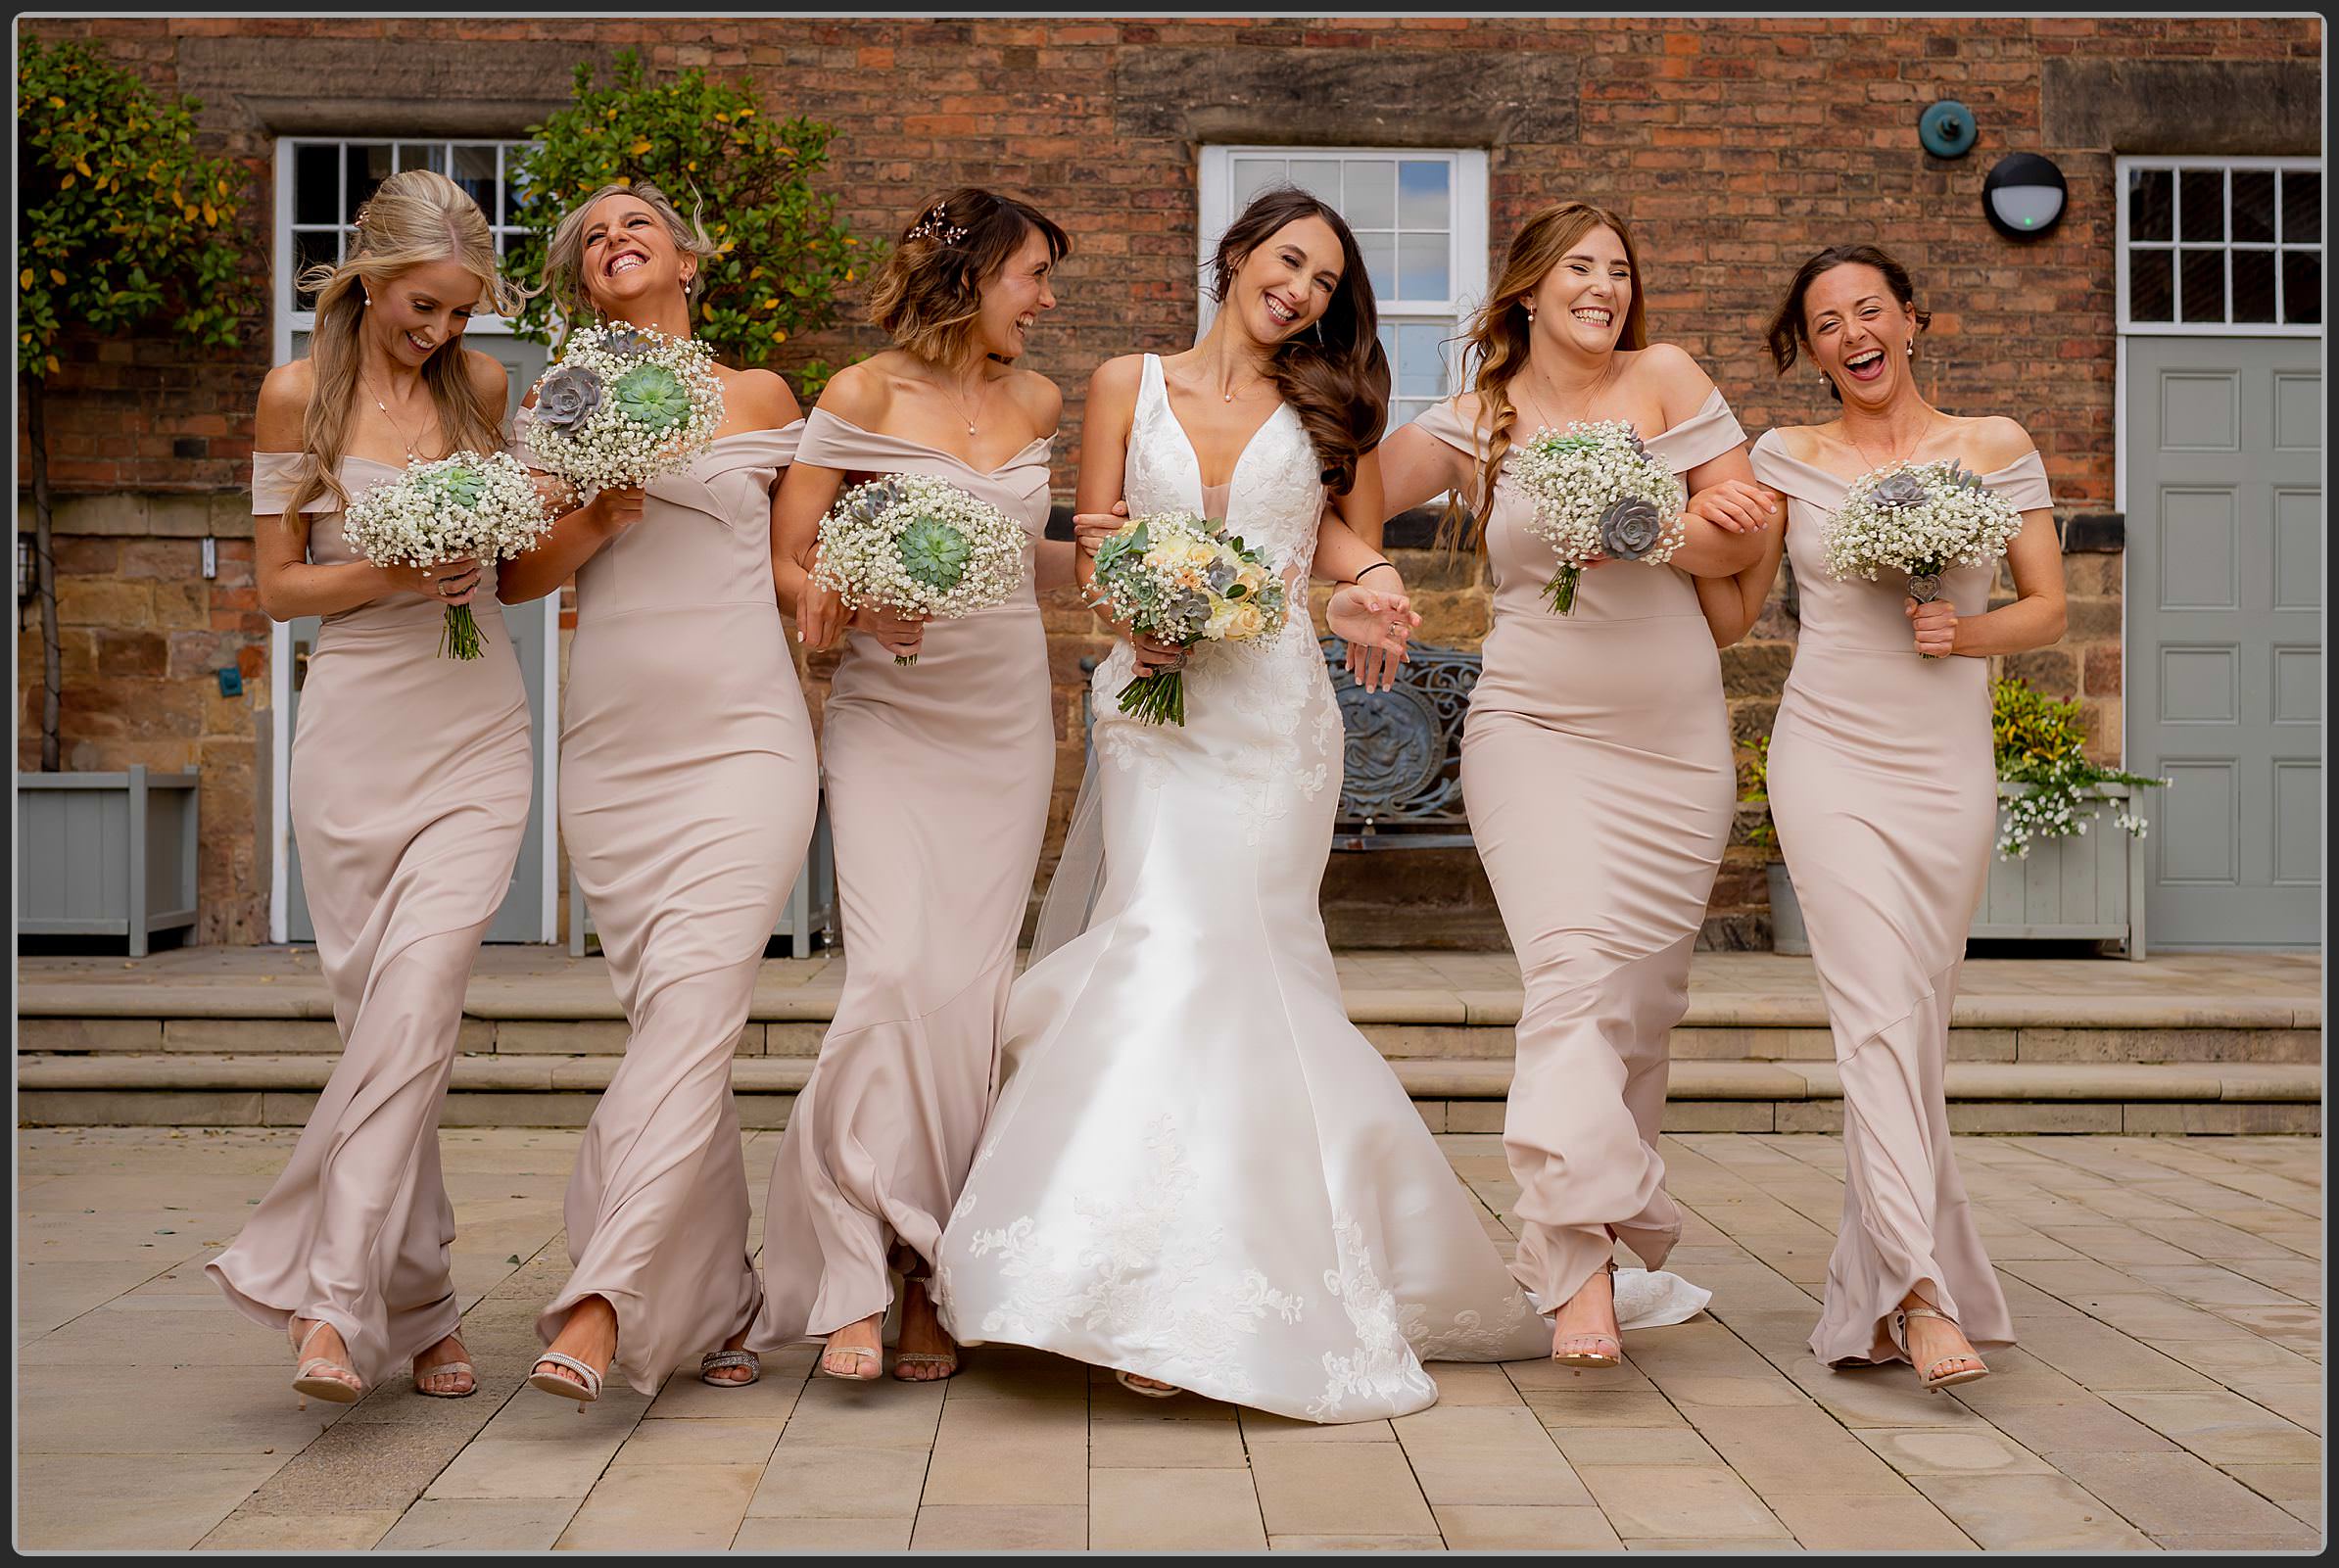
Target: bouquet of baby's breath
<point x="624" y="406"/>
<point x="460" y="507"/>
<point x="1181" y="579"/>
<point x="1597" y="492"/>
<point x="920" y="547"/>
<point x="1919" y="520"/>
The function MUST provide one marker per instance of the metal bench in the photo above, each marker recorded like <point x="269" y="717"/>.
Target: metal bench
<point x="1401" y="786"/>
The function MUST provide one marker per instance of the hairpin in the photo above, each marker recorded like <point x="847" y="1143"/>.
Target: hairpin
<point x="936" y="226"/>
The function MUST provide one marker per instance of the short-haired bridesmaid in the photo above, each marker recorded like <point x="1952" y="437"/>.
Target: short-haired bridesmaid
<point x="1596" y="757"/>
<point x="938" y="777"/>
<point x="410" y="780"/>
<point x="1884" y="787"/>
<point x="687" y="791"/>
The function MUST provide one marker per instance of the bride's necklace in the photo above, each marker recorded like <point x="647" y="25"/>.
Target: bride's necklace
<point x="414" y="453"/>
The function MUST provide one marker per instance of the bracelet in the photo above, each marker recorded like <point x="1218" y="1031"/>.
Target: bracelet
<point x="1374" y="567"/>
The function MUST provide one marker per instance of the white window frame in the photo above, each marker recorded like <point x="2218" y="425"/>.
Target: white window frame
<point x="1466" y="261"/>
<point x="2124" y="167"/>
<point x="287" y="320"/>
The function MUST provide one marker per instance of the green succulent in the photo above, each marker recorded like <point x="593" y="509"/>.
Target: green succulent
<point x="935" y="553"/>
<point x="461" y="487"/>
<point x="653" y="398"/>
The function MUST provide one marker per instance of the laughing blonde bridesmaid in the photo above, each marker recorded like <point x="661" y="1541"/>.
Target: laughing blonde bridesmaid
<point x="410" y="780"/>
<point x="1596" y="757"/>
<point x="1884" y="787"/>
<point x="686" y="799"/>
<point x="938" y="774"/>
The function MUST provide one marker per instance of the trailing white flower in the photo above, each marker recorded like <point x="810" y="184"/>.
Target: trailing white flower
<point x="1597" y="492"/>
<point x="460" y="507"/>
<point x="1177" y="578"/>
<point x="624" y="406"/>
<point x="918" y="546"/>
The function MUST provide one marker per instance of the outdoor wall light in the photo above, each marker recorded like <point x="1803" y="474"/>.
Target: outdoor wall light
<point x="1946" y="129"/>
<point x="2022" y="197"/>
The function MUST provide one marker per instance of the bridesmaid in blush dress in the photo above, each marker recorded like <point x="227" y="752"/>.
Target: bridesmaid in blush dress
<point x="939" y="775"/>
<point x="410" y="778"/>
<point x="688" y="793"/>
<point x="1596" y="757"/>
<point x="1884" y="787"/>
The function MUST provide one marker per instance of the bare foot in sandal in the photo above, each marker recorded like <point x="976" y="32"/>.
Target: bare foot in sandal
<point x="855" y="1353"/>
<point x="445" y="1370"/>
<point x="927" y="1350"/>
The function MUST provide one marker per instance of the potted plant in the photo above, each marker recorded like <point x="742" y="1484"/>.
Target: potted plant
<point x="120" y="222"/>
<point x="2049" y="881"/>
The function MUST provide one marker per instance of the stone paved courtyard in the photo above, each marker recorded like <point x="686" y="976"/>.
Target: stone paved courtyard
<point x="2167" y="1392"/>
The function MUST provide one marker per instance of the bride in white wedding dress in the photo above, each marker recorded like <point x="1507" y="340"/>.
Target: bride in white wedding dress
<point x="1197" y="1172"/>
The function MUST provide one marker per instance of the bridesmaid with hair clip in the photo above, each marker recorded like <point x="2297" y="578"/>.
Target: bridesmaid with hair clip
<point x="410" y="780"/>
<point x="938" y="779"/>
<point x="1884" y="786"/>
<point x="687" y="800"/>
<point x="1595" y="759"/>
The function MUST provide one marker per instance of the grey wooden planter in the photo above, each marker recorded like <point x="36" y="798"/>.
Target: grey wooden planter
<point x="2090" y="887"/>
<point x="106" y="854"/>
<point x="811" y="904"/>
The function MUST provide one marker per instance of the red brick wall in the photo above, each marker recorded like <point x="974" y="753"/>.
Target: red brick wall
<point x="1735" y="145"/>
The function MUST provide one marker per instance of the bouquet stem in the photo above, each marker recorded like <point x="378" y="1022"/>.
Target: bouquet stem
<point x="1560" y="591"/>
<point x="460" y="638"/>
<point x="1159" y="699"/>
<point x="1925" y="586"/>
<point x="905" y="659"/>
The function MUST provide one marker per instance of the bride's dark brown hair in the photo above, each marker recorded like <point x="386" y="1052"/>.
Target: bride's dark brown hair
<point x="1335" y="375"/>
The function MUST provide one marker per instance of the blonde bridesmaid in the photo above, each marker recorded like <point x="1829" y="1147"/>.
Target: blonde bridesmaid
<point x="1596" y="756"/>
<point x="410" y="780"/>
<point x="1885" y="791"/>
<point x="687" y="791"/>
<point x="939" y="775"/>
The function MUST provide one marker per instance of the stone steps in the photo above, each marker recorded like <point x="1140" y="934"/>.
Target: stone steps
<point x="1454" y="1094"/>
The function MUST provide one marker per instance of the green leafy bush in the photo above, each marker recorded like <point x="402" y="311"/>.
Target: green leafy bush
<point x="2043" y="743"/>
<point x="786" y="259"/>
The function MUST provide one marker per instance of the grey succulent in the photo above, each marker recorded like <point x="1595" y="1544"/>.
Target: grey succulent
<point x="1960" y="477"/>
<point x="872" y="499"/>
<point x="1900" y="490"/>
<point x="1632" y="439"/>
<point x="1630" y="528"/>
<point x="567" y="396"/>
<point x="627" y="340"/>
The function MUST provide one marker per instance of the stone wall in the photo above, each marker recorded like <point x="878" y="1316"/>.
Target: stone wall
<point x="1735" y="145"/>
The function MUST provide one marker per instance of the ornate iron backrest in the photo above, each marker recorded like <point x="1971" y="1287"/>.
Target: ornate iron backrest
<point x="1403" y="780"/>
<point x="1401" y="786"/>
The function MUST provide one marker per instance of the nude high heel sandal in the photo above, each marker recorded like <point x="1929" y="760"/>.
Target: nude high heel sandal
<point x="307" y="1379"/>
<point x="584" y="1393"/>
<point x="1930" y="1376"/>
<point x="1583" y="1351"/>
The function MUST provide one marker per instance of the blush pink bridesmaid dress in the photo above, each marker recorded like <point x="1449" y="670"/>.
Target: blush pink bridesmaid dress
<point x="1597" y="771"/>
<point x="939" y="775"/>
<point x="1884" y="786"/>
<point x="687" y="793"/>
<point x="410" y="779"/>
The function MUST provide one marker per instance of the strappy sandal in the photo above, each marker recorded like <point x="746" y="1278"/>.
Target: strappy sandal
<point x="584" y="1393"/>
<point x="306" y="1377"/>
<point x="1582" y="1350"/>
<point x="874" y="1359"/>
<point x="447" y="1369"/>
<point x="1930" y="1376"/>
<point x="902" y="1359"/>
<point x="1128" y="1380"/>
<point x="724" y="1361"/>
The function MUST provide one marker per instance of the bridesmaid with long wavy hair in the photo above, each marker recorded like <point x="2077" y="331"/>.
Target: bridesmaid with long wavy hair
<point x="1884" y="786"/>
<point x="1596" y="757"/>
<point x="687" y="793"/>
<point x="410" y="779"/>
<point x="939" y="775"/>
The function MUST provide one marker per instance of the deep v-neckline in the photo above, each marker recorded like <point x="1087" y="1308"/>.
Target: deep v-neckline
<point x="1194" y="454"/>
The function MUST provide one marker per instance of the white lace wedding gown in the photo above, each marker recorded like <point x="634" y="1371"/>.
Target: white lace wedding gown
<point x="1196" y="1169"/>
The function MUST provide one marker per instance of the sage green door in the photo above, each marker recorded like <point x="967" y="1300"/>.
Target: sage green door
<point x="2223" y="663"/>
<point x="526" y="913"/>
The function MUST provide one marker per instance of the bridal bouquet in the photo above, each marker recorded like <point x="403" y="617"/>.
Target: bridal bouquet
<point x="920" y="547"/>
<point x="1919" y="519"/>
<point x="1181" y="579"/>
<point x="1597" y="492"/>
<point x="461" y="508"/>
<point x="624" y="406"/>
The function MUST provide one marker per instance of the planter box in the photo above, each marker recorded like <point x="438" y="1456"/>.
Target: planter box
<point x="811" y="904"/>
<point x="106" y="854"/>
<point x="2090" y="887"/>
